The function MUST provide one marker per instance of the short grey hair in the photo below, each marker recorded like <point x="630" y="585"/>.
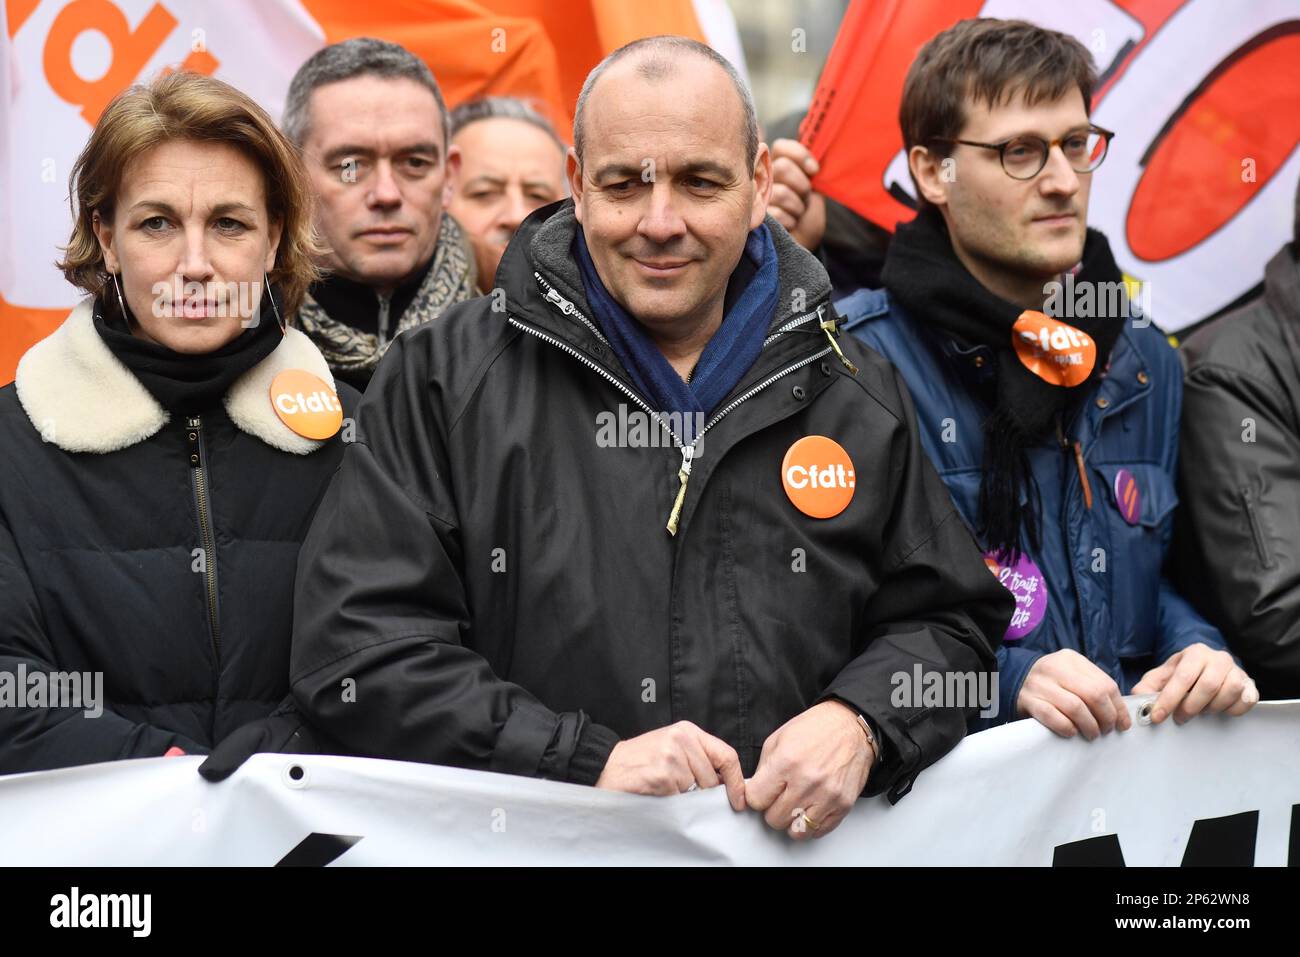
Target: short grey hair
<point x="503" y="108"/>
<point x="660" y="53"/>
<point x="360" y="56"/>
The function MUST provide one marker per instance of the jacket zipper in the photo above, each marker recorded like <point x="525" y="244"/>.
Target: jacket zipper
<point x="829" y="327"/>
<point x="384" y="302"/>
<point x="827" y="324"/>
<point x="603" y="372"/>
<point x="688" y="451"/>
<point x="792" y="324"/>
<point x="198" y="469"/>
<point x="1077" y="448"/>
<point x="565" y="306"/>
<point x="1261" y="546"/>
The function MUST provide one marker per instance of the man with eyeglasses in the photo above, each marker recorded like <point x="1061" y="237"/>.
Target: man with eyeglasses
<point x="1045" y="397"/>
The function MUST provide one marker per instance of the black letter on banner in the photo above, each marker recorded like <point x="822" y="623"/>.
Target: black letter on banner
<point x="1223" y="841"/>
<point x="1293" y="848"/>
<point x="1103" y="851"/>
<point x="317" y="850"/>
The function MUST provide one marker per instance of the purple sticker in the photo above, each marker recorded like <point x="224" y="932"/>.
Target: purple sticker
<point x="1025" y="581"/>
<point x="1128" y="497"/>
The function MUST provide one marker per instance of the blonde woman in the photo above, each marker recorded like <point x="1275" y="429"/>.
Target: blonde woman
<point x="166" y="446"/>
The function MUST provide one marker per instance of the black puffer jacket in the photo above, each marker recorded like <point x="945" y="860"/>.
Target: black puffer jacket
<point x="490" y="585"/>
<point x="1238" y="539"/>
<point x="119" y="557"/>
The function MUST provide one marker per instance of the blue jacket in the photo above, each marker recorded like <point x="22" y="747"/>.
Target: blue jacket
<point x="1107" y="597"/>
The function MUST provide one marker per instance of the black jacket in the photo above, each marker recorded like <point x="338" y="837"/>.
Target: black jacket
<point x="1238" y="541"/>
<point x="486" y="585"/>
<point x="118" y="556"/>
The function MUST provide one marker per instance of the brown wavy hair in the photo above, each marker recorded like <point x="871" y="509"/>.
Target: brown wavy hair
<point x="988" y="61"/>
<point x="190" y="106"/>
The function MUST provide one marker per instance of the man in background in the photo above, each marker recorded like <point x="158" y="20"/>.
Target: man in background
<point x="511" y="163"/>
<point x="1238" y="544"/>
<point x="373" y="128"/>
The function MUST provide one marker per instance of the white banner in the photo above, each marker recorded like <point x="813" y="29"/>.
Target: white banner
<point x="1216" y="790"/>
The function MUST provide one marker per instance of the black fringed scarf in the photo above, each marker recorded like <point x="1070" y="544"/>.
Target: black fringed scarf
<point x="924" y="274"/>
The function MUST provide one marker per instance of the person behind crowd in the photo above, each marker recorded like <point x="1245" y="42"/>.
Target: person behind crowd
<point x="1050" y="407"/>
<point x="1236" y="539"/>
<point x="155" y="498"/>
<point x="373" y="128"/>
<point x="511" y="163"/>
<point x="510" y="581"/>
<point x="851" y="247"/>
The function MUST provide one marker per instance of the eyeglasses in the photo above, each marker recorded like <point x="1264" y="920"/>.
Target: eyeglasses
<point x="1023" y="157"/>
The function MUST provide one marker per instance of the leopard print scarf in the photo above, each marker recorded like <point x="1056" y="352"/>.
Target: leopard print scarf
<point x="354" y="354"/>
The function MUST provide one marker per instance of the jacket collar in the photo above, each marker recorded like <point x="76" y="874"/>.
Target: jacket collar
<point x="81" y="398"/>
<point x="357" y="303"/>
<point x="541" y="246"/>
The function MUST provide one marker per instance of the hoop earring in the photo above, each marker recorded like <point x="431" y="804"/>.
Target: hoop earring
<point x="120" y="303"/>
<point x="266" y="282"/>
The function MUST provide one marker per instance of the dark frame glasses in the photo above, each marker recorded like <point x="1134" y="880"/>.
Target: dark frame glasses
<point x="1029" y="153"/>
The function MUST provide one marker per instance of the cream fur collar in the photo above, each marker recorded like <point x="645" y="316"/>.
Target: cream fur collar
<point x="83" y="399"/>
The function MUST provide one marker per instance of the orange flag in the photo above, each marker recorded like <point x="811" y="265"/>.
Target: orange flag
<point x="852" y="125"/>
<point x="471" y="49"/>
<point x="584" y="31"/>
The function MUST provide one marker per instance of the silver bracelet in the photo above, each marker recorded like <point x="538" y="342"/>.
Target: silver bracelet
<point x="872" y="740"/>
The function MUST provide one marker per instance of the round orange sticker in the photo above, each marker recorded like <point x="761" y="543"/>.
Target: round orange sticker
<point x="306" y="404"/>
<point x="818" y="476"/>
<point x="1052" y="350"/>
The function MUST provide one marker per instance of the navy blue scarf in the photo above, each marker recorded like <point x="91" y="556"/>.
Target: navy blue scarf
<point x="725" y="360"/>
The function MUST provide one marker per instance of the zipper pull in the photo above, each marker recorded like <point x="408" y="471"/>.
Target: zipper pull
<point x="553" y="296"/>
<point x="1077" y="448"/>
<point x="1083" y="474"/>
<point x="828" y="326"/>
<point x="683" y="476"/>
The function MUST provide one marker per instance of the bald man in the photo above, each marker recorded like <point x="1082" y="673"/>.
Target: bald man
<point x="645" y="520"/>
